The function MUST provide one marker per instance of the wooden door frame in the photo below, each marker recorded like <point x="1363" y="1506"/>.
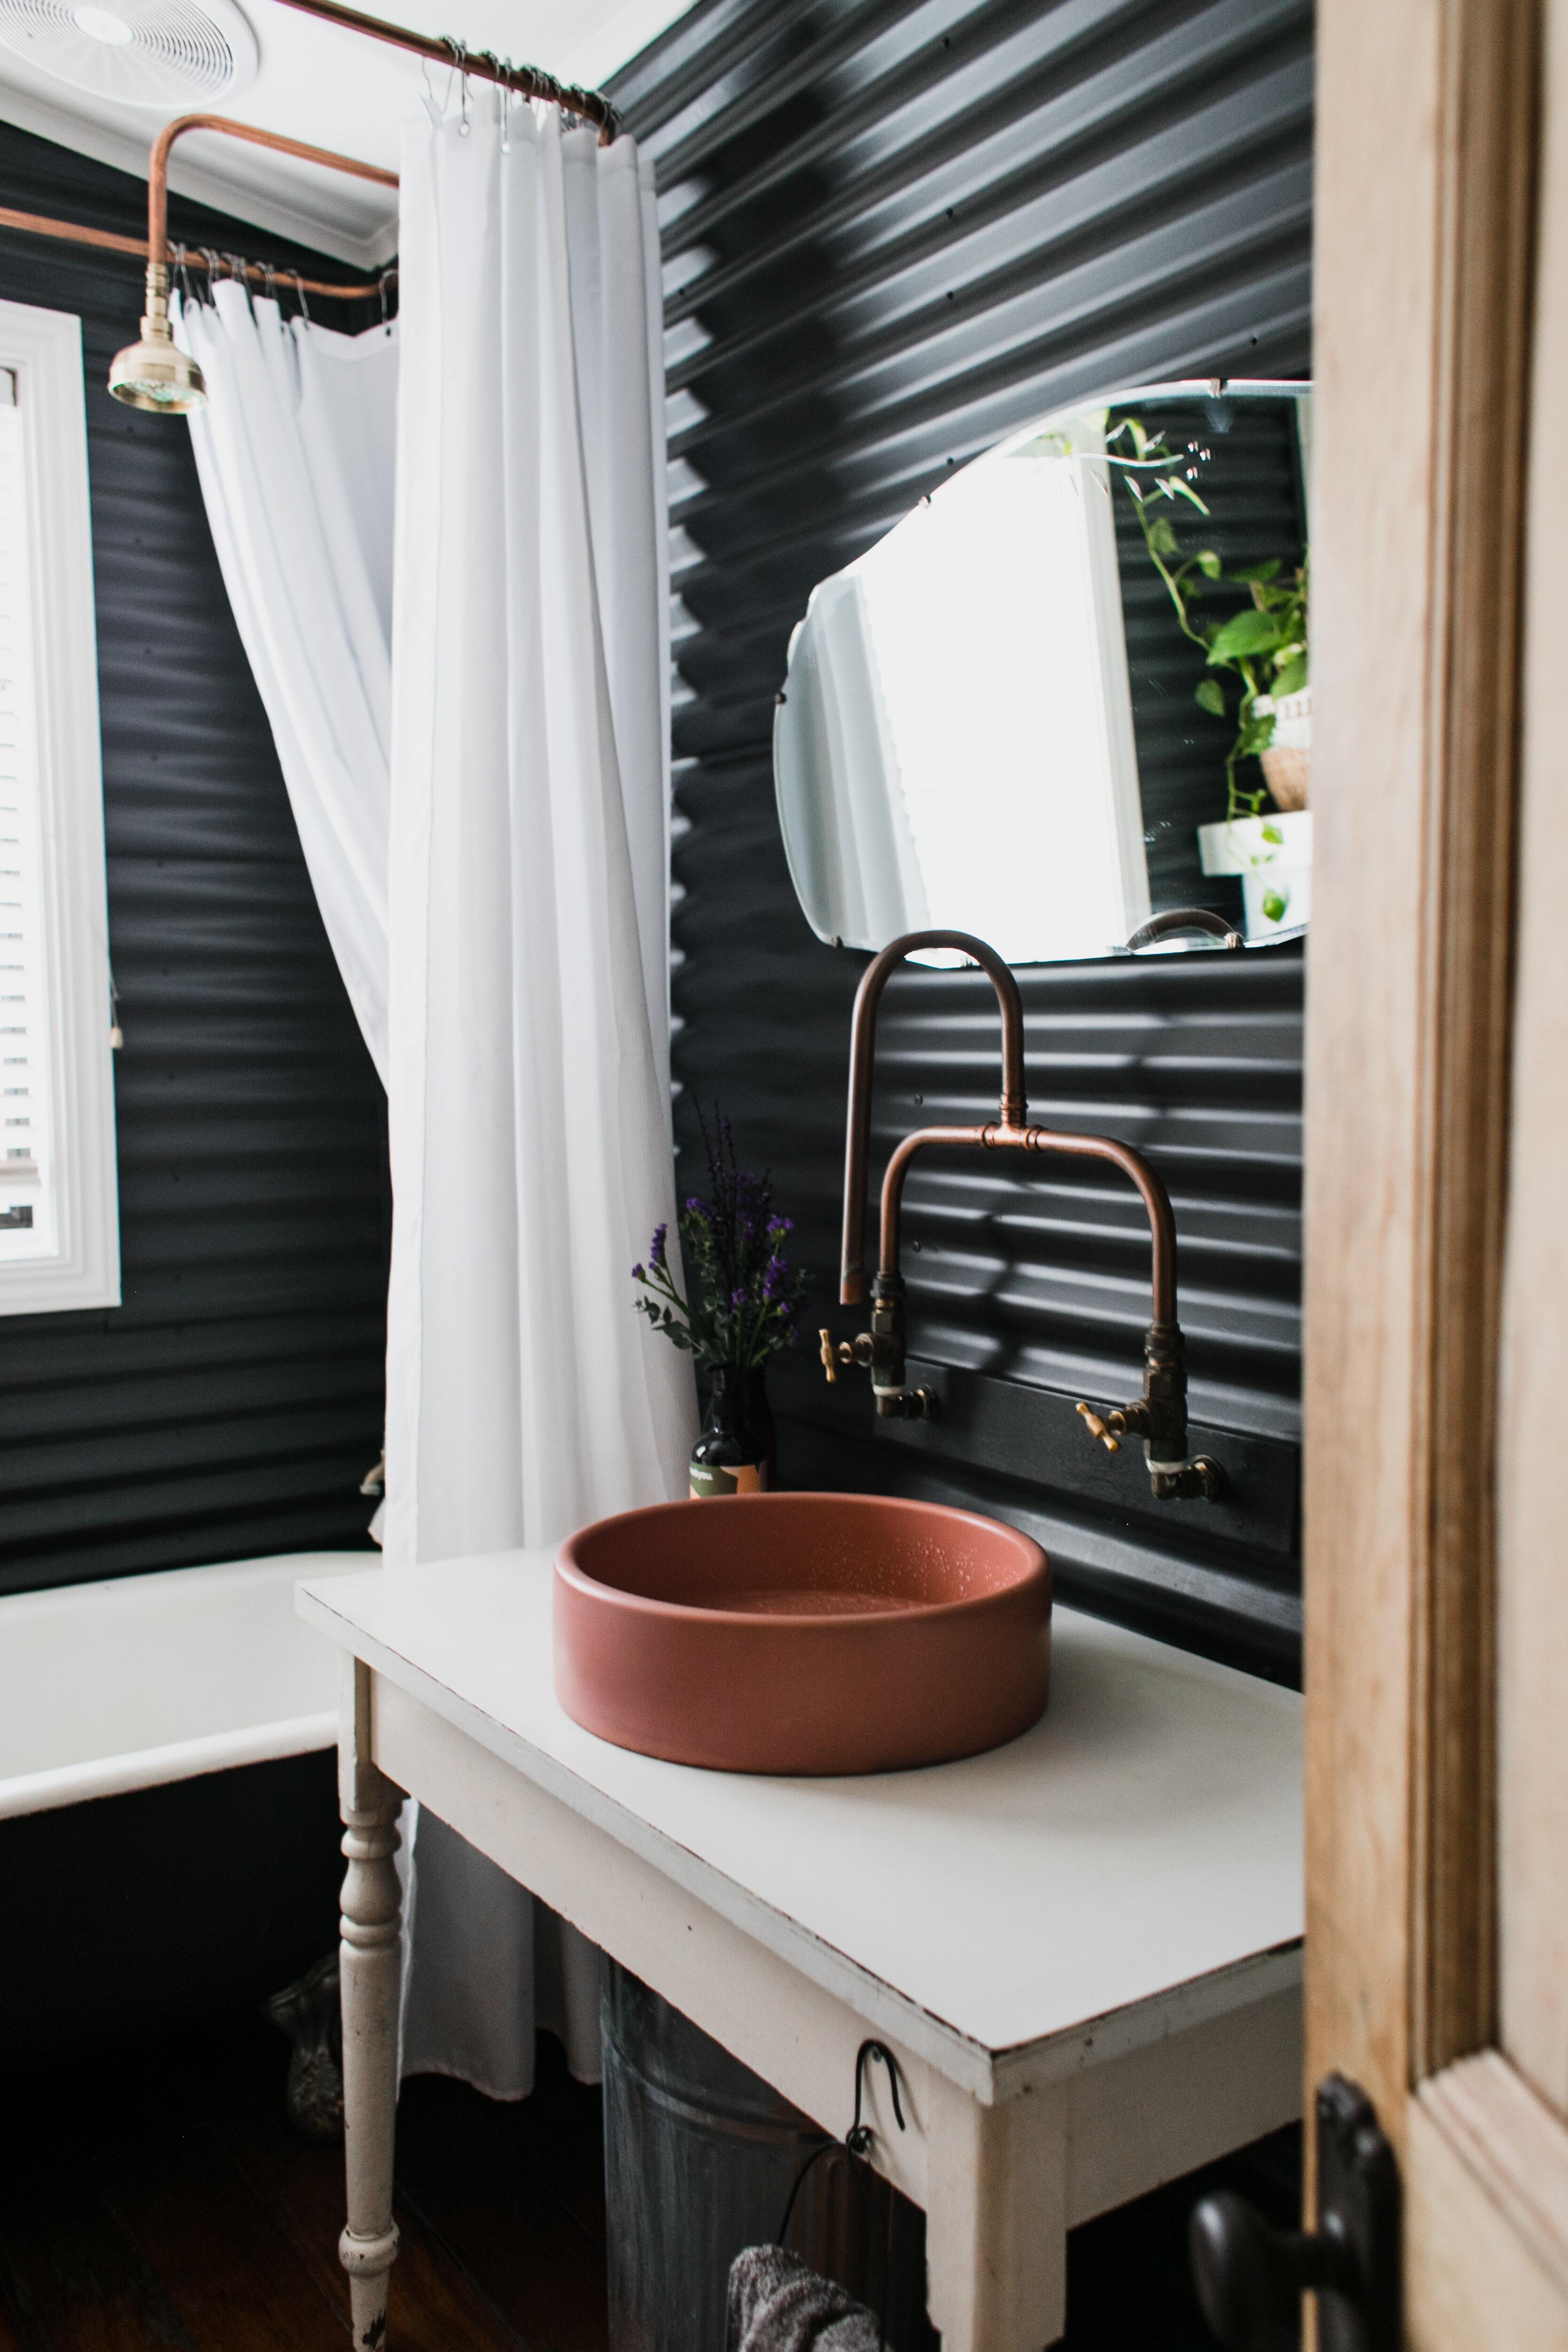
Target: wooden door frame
<point x="1428" y="149"/>
<point x="1425" y="192"/>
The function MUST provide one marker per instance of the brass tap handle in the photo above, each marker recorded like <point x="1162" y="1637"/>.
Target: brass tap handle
<point x="1097" y="1428"/>
<point x="859" y="1351"/>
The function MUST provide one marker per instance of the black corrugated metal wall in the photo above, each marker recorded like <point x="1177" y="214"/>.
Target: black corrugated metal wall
<point x="232" y="1403"/>
<point x="892" y="233"/>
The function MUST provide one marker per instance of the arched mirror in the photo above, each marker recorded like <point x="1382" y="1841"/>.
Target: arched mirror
<point x="1069" y="692"/>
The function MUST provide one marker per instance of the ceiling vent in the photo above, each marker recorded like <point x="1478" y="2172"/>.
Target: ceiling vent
<point x="167" y="54"/>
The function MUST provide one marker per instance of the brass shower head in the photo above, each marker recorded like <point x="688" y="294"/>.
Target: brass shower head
<point x="155" y="373"/>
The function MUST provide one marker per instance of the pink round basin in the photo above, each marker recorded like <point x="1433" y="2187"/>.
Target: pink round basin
<point x="802" y="1632"/>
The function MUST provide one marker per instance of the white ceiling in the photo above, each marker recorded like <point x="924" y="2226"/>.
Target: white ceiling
<point x="337" y="89"/>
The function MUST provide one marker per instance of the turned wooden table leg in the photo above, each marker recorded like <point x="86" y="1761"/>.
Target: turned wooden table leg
<point x="372" y="1964"/>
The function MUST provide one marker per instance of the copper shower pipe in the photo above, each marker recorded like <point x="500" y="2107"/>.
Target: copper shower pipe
<point x="158" y="167"/>
<point x="529" y="81"/>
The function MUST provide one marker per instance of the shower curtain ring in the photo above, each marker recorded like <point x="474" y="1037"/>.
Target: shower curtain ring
<point x="381" y="288"/>
<point x="214" y="261"/>
<point x="304" y="306"/>
<point x="460" y="66"/>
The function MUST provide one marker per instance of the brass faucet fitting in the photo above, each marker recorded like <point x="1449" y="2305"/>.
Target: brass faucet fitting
<point x="1160" y="1418"/>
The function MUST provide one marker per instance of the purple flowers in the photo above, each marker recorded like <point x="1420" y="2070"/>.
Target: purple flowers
<point x="743" y="1292"/>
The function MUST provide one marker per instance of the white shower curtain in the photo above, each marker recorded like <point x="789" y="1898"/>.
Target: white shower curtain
<point x="528" y="1079"/>
<point x="295" y="452"/>
<point x="474" y="736"/>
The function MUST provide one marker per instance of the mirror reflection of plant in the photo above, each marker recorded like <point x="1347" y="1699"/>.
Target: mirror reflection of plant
<point x="746" y="1294"/>
<point x="1263" y="647"/>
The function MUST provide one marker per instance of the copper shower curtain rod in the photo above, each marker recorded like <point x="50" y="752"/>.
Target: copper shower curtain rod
<point x="73" y="233"/>
<point x="528" y="81"/>
<point x="156" y="247"/>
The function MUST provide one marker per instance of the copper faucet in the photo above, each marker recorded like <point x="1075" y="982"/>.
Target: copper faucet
<point x="1160" y="1415"/>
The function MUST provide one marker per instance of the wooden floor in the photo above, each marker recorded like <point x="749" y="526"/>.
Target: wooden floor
<point x="156" y="2201"/>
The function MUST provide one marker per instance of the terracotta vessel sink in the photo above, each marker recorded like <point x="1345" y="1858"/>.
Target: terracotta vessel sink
<point x="802" y="1632"/>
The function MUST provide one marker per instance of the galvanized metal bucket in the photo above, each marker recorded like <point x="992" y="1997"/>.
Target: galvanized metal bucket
<point x="701" y="2156"/>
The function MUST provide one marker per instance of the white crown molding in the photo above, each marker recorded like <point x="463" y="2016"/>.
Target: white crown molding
<point x="278" y="217"/>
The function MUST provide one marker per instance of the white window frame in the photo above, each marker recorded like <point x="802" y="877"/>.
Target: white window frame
<point x="42" y="348"/>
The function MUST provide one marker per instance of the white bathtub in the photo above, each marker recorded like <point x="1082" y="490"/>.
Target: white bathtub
<point x="144" y="1679"/>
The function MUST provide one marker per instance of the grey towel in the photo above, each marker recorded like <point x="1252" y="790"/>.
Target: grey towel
<point x="777" y="2305"/>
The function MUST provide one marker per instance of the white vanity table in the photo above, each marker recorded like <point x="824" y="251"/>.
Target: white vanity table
<point x="1082" y="1949"/>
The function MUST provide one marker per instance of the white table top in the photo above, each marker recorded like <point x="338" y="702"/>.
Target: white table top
<point x="1133" y="1863"/>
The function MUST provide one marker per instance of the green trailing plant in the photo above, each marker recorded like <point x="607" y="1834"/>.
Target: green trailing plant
<point x="1260" y="654"/>
<point x="744" y="1295"/>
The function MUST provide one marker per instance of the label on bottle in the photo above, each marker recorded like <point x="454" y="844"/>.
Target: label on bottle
<point x="710" y="1478"/>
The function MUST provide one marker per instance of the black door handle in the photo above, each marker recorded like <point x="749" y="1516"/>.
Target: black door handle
<point x="1250" y="2277"/>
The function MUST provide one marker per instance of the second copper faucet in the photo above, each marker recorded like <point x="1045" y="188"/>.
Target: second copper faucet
<point x="1160" y="1415"/>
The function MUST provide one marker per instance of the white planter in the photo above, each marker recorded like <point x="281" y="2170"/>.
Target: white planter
<point x="1273" y="856"/>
